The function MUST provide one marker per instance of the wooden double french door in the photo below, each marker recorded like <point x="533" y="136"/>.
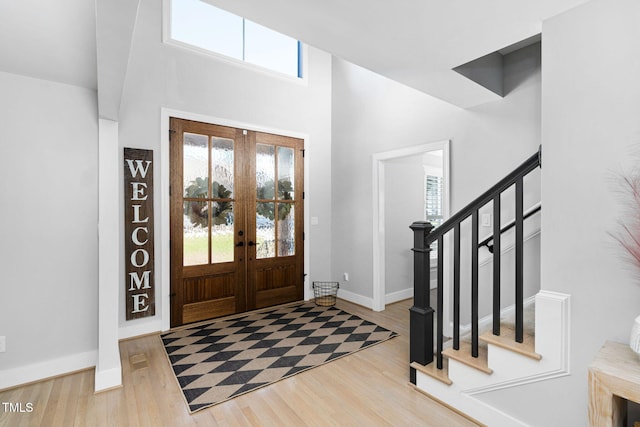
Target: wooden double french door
<point x="236" y="220"/>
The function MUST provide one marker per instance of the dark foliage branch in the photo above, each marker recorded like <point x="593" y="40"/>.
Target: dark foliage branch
<point x="198" y="212"/>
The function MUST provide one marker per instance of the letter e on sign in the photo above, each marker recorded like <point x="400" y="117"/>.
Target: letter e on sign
<point x="138" y="240"/>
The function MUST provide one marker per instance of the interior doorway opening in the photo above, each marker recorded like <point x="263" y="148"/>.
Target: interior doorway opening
<point x="397" y="203"/>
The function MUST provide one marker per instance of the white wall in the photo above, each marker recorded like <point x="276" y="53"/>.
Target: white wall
<point x="404" y="203"/>
<point x="372" y="114"/>
<point x="165" y="76"/>
<point x="49" y="241"/>
<point x="591" y="129"/>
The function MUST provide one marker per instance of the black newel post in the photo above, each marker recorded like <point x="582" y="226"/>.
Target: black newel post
<point x="421" y="314"/>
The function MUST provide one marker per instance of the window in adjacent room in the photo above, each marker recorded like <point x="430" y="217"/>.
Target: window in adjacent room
<point x="433" y="192"/>
<point x="199" y="24"/>
<point x="433" y="199"/>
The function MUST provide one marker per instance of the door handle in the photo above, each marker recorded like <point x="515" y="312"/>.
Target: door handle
<point x="251" y="243"/>
<point x="239" y="244"/>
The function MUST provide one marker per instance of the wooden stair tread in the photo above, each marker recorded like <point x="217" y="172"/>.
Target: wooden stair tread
<point x="463" y="355"/>
<point x="507" y="340"/>
<point x="441" y="375"/>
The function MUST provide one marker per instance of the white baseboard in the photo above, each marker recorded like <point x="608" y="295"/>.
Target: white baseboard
<point x="140" y="328"/>
<point x="368" y="302"/>
<point x="51" y="368"/>
<point x="355" y="298"/>
<point x="108" y="379"/>
<point x="398" y="296"/>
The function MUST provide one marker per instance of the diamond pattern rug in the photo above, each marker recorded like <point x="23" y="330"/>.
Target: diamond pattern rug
<point x="220" y="360"/>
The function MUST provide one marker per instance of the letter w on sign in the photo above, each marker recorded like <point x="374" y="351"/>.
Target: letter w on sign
<point x="138" y="166"/>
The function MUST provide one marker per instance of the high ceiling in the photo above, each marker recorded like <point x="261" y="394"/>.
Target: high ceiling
<point x="51" y="40"/>
<point x="415" y="42"/>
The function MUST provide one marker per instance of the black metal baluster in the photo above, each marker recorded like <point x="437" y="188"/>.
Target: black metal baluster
<point x="456" y="287"/>
<point x="519" y="262"/>
<point x="474" y="283"/>
<point x="440" y="304"/>
<point x="496" y="264"/>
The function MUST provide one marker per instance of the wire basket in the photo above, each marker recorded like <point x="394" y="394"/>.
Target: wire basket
<point x="325" y="293"/>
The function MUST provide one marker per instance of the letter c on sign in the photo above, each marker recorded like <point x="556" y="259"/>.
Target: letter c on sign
<point x="134" y="236"/>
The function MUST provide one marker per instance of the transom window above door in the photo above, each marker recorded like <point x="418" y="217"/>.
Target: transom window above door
<point x="199" y="25"/>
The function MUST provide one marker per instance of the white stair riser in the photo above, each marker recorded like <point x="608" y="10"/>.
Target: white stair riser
<point x="460" y="373"/>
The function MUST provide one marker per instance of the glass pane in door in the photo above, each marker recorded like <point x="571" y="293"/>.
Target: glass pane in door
<point x="222" y="232"/>
<point x="265" y="171"/>
<point x="286" y="229"/>
<point x="286" y="173"/>
<point x="196" y="233"/>
<point x="222" y="168"/>
<point x="265" y="230"/>
<point x="196" y="165"/>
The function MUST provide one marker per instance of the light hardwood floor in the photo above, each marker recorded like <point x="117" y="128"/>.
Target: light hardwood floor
<point x="368" y="388"/>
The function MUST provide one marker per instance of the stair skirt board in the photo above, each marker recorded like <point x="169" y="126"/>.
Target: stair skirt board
<point x="450" y="407"/>
<point x="472" y="407"/>
<point x="510" y="369"/>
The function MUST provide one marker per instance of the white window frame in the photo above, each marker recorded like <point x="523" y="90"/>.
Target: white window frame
<point x="166" y="39"/>
<point x="430" y="171"/>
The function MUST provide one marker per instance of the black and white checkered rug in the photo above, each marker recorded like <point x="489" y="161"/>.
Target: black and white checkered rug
<point x="217" y="361"/>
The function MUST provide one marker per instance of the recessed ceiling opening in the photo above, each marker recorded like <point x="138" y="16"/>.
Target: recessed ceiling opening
<point x="488" y="71"/>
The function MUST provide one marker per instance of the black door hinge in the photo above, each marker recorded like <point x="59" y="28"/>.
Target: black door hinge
<point x="303" y="194"/>
<point x="303" y="150"/>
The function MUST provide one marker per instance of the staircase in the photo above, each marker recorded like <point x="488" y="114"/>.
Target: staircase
<point x="459" y="371"/>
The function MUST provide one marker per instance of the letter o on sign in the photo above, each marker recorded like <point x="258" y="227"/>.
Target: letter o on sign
<point x="134" y="258"/>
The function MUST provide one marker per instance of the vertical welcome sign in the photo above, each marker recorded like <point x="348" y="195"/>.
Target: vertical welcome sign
<point x="138" y="217"/>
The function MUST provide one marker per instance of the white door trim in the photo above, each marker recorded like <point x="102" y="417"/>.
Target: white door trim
<point x="379" y="160"/>
<point x="166" y="114"/>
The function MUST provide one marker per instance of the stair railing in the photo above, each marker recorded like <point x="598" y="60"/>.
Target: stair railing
<point x="488" y="241"/>
<point x="421" y="313"/>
